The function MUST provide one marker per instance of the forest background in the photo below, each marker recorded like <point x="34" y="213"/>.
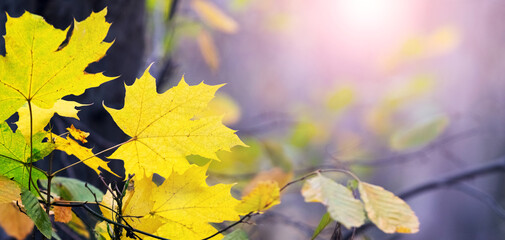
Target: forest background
<point x="400" y="93"/>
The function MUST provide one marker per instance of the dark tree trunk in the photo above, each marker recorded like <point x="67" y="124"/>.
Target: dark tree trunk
<point x="124" y="59"/>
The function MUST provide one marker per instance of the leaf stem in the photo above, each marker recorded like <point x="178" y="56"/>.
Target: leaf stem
<point x="31" y="146"/>
<point x="49" y="179"/>
<point x="94" y="155"/>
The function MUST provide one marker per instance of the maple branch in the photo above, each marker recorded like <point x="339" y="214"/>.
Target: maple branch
<point x="447" y="180"/>
<point x="97" y="215"/>
<point x="404" y="157"/>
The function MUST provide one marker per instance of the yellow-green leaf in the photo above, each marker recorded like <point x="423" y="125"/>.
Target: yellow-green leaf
<point x="84" y="154"/>
<point x="41" y="116"/>
<point x="264" y="196"/>
<point x="390" y="213"/>
<point x="39" y="69"/>
<point x="163" y="130"/>
<point x="9" y="190"/>
<point x="15" y="156"/>
<point x="421" y="134"/>
<point x="342" y="205"/>
<point x="213" y="16"/>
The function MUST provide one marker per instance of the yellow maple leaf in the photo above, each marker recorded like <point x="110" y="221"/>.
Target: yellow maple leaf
<point x="265" y="195"/>
<point x="162" y="129"/>
<point x="390" y="213"/>
<point x="180" y="208"/>
<point x="84" y="154"/>
<point x="37" y="67"/>
<point x="78" y="134"/>
<point x="42" y="116"/>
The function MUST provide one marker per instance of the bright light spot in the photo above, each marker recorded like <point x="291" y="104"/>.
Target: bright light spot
<point x="370" y="14"/>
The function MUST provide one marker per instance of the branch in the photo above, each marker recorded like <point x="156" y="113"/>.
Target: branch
<point x="447" y="180"/>
<point x="97" y="215"/>
<point x="244" y="218"/>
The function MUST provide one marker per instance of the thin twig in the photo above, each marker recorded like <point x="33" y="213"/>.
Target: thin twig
<point x="447" y="180"/>
<point x="94" y="155"/>
<point x="97" y="215"/>
<point x="242" y="219"/>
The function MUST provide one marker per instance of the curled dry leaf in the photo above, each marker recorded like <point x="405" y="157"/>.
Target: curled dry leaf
<point x="78" y="134"/>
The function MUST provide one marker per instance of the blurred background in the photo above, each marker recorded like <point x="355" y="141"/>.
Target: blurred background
<point x="398" y="92"/>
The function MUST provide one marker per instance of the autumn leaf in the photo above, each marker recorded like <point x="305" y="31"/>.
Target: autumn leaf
<point x="275" y="174"/>
<point x="162" y="129"/>
<point x="265" y="195"/>
<point x="15" y="223"/>
<point x="15" y="155"/>
<point x="84" y="154"/>
<point x="208" y="50"/>
<point x="342" y="205"/>
<point x="62" y="214"/>
<point x="78" y="226"/>
<point x="39" y="69"/>
<point x="77" y="134"/>
<point x="9" y="190"/>
<point x="390" y="213"/>
<point x="213" y="16"/>
<point x="42" y="116"/>
<point x="180" y="208"/>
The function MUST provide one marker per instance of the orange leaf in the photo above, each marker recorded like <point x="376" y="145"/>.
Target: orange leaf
<point x="15" y="223"/>
<point x="62" y="214"/>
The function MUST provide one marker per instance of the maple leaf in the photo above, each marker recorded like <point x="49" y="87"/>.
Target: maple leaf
<point x="15" y="155"/>
<point x="42" y="116"/>
<point x="265" y="195"/>
<point x="163" y="130"/>
<point x="37" y="67"/>
<point x="180" y="208"/>
<point x="9" y="190"/>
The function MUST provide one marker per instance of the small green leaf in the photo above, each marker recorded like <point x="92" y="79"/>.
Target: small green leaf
<point x="36" y="213"/>
<point x="73" y="190"/>
<point x="325" y="220"/>
<point x="352" y="184"/>
<point x="238" y="234"/>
